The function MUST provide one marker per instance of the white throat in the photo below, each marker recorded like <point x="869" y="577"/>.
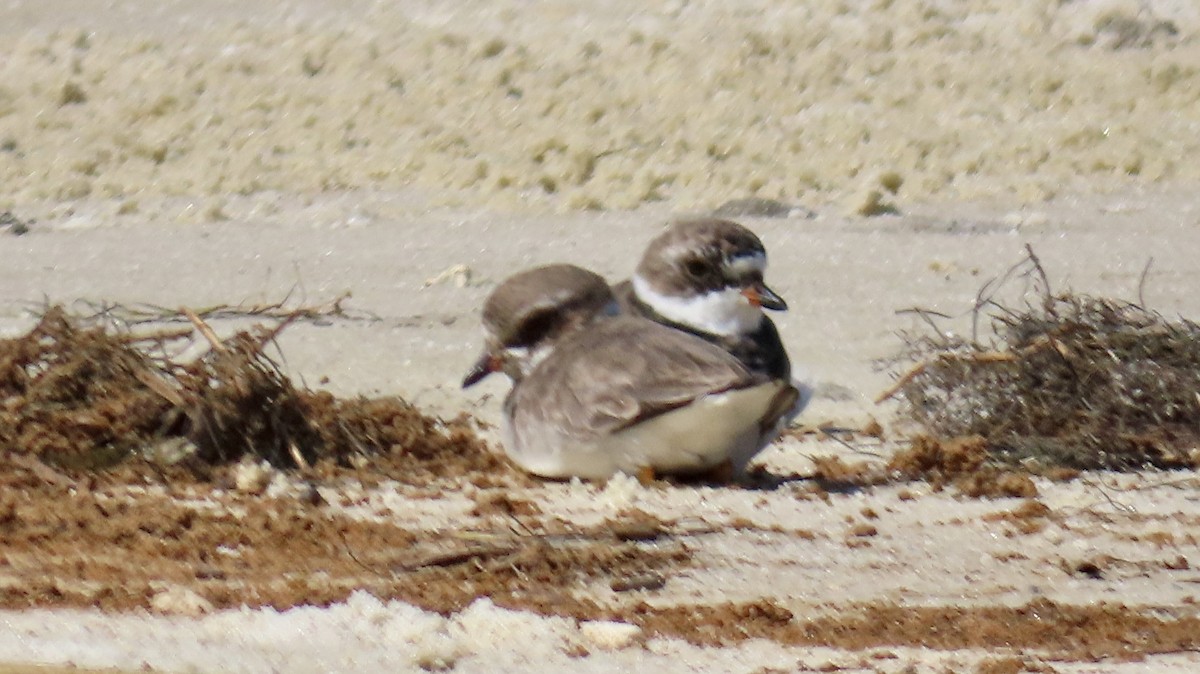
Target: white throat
<point x="724" y="312"/>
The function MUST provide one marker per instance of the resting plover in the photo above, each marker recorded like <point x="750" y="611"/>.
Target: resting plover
<point x="705" y="276"/>
<point x="527" y="313"/>
<point x="596" y="394"/>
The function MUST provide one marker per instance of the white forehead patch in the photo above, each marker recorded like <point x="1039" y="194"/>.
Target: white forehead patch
<point x="744" y="264"/>
<point x="529" y="357"/>
<point x="725" y="312"/>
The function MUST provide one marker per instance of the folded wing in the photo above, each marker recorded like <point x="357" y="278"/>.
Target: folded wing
<point x="661" y="369"/>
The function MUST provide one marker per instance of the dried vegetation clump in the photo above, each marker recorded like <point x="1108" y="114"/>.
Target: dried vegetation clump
<point x="78" y="394"/>
<point x="1069" y="381"/>
<point x="960" y="463"/>
<point x="73" y="394"/>
<point x="963" y="463"/>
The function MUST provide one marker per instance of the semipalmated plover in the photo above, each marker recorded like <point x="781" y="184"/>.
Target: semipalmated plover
<point x="596" y="394"/>
<point x="527" y="313"/>
<point x="705" y="276"/>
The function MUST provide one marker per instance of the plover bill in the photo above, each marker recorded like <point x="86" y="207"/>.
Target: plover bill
<point x="596" y="394"/>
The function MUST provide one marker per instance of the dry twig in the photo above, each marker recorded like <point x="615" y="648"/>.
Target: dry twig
<point x="136" y="314"/>
<point x="204" y="329"/>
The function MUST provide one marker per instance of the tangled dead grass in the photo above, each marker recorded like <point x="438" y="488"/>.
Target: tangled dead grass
<point x="1070" y="381"/>
<point x="77" y="394"/>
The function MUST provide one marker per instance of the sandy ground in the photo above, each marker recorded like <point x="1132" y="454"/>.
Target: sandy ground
<point x="413" y="155"/>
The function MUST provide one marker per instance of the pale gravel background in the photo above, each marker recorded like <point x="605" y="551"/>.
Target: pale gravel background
<point x="571" y="105"/>
<point x="263" y="189"/>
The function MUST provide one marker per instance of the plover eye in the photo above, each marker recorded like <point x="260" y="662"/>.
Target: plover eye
<point x="696" y="268"/>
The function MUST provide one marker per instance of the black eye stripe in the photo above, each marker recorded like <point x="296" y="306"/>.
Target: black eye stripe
<point x="535" y="328"/>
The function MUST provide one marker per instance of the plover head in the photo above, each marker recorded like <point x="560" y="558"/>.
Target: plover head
<point x="529" y="312"/>
<point x="707" y="275"/>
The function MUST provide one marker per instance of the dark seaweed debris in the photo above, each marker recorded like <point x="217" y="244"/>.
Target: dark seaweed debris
<point x="1072" y="380"/>
<point x="78" y="394"/>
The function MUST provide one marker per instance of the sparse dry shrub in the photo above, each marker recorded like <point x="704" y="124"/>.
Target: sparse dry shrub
<point x="1074" y="381"/>
<point x="77" y="394"/>
<point x="237" y="402"/>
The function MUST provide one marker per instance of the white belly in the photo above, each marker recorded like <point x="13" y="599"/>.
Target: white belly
<point x="713" y="429"/>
